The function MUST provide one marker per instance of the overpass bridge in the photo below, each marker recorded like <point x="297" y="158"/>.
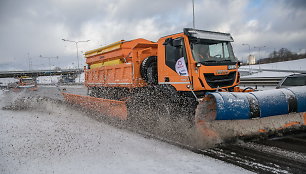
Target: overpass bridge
<point x="36" y="73"/>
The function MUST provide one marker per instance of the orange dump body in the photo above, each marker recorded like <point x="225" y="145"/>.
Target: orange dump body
<point x="118" y="64"/>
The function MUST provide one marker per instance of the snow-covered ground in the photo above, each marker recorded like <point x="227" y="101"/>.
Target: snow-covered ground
<point x="55" y="79"/>
<point x="6" y="81"/>
<point x="287" y="65"/>
<point x="47" y="79"/>
<point x="52" y="138"/>
<point x="42" y="80"/>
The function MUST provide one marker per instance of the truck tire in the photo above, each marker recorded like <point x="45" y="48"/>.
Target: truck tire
<point x="148" y="70"/>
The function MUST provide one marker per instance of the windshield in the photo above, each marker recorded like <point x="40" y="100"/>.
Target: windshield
<point x="295" y="81"/>
<point x="208" y="51"/>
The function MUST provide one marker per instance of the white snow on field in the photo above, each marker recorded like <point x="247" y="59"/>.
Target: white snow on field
<point x="81" y="78"/>
<point x="287" y="65"/>
<point x="55" y="79"/>
<point x="47" y="79"/>
<point x="6" y="81"/>
<point x="51" y="138"/>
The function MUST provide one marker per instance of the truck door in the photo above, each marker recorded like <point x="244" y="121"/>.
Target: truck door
<point x="176" y="63"/>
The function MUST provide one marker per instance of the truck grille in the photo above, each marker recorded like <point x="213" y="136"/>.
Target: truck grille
<point x="220" y="80"/>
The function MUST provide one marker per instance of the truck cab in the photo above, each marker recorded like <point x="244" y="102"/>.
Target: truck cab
<point x="197" y="60"/>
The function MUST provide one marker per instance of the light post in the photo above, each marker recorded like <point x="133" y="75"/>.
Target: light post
<point x="193" y="18"/>
<point x="30" y="62"/>
<point x="244" y="44"/>
<point x="49" y="58"/>
<point x="259" y="57"/>
<point x="77" y="53"/>
<point x="77" y="47"/>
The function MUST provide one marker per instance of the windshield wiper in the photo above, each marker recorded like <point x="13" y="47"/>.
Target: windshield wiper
<point x="209" y="61"/>
<point x="225" y="60"/>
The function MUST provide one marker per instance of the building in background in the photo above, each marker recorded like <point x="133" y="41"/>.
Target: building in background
<point x="251" y="60"/>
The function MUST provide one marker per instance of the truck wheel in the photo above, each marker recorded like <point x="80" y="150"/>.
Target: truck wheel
<point x="148" y="70"/>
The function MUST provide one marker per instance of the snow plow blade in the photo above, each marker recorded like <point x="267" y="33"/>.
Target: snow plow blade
<point x="247" y="114"/>
<point x="107" y="107"/>
<point x="221" y="114"/>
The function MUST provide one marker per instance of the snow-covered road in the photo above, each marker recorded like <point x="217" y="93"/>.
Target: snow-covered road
<point x="51" y="138"/>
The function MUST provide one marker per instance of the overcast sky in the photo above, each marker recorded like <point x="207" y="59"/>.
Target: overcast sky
<point x="30" y="28"/>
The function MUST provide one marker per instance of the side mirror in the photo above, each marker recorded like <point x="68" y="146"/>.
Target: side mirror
<point x="239" y="64"/>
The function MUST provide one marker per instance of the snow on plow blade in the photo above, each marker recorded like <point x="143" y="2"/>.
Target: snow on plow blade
<point x="104" y="106"/>
<point x="227" y="129"/>
<point x="254" y="112"/>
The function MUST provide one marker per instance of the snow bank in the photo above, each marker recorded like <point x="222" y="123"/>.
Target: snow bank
<point x="47" y="79"/>
<point x="287" y="65"/>
<point x="54" y="79"/>
<point x="6" y="81"/>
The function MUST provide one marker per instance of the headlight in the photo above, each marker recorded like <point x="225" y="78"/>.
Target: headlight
<point x="231" y="67"/>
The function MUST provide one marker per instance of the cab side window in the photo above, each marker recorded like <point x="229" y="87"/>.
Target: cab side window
<point x="175" y="49"/>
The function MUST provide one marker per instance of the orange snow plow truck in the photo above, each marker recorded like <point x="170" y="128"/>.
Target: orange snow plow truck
<point x="192" y="75"/>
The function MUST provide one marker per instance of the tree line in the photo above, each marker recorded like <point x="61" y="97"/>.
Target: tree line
<point x="281" y="55"/>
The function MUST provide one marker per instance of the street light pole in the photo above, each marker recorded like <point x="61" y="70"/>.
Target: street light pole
<point x="249" y="58"/>
<point x="259" y="56"/>
<point x="30" y="62"/>
<point x="49" y="59"/>
<point x="244" y="44"/>
<point x="193" y="18"/>
<point x="77" y="48"/>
